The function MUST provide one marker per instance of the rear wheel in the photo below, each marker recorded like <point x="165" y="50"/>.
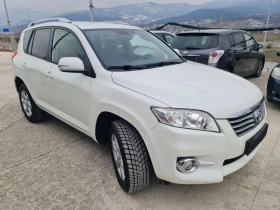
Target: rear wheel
<point x="31" y="111"/>
<point x="259" y="68"/>
<point x="130" y="157"/>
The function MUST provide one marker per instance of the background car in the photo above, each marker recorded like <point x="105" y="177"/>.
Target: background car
<point x="273" y="86"/>
<point x="232" y="50"/>
<point x="165" y="36"/>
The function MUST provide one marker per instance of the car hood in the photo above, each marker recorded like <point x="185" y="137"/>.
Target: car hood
<point x="193" y="86"/>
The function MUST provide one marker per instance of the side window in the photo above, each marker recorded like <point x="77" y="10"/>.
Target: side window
<point x="169" y="38"/>
<point x="160" y="35"/>
<point x="40" y="44"/>
<point x="31" y="43"/>
<point x="250" y="42"/>
<point x="230" y="39"/>
<point x="238" y="40"/>
<point x="26" y="38"/>
<point x="65" y="44"/>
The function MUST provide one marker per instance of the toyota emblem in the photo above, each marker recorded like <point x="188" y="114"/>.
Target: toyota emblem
<point x="257" y="116"/>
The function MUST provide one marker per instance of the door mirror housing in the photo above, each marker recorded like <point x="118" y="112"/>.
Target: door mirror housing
<point x="278" y="53"/>
<point x="71" y="65"/>
<point x="260" y="46"/>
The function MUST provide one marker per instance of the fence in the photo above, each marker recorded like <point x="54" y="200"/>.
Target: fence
<point x="5" y="42"/>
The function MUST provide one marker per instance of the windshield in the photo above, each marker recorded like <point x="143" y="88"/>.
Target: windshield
<point x="196" y="41"/>
<point x="129" y="48"/>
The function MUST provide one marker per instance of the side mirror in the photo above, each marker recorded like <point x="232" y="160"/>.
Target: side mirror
<point x="177" y="51"/>
<point x="71" y="65"/>
<point x="278" y="53"/>
<point x="260" y="46"/>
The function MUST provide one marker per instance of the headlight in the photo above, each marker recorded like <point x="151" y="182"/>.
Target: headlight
<point x="276" y="73"/>
<point x="189" y="119"/>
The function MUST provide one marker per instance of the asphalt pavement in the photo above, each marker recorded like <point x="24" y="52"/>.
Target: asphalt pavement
<point x="53" y="166"/>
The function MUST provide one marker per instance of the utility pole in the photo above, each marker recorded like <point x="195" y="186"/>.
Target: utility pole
<point x="9" y="25"/>
<point x="221" y="24"/>
<point x="91" y="11"/>
<point x="265" y="35"/>
<point x="28" y="12"/>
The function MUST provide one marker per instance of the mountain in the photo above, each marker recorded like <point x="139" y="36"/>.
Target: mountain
<point x="215" y="14"/>
<point x="154" y="13"/>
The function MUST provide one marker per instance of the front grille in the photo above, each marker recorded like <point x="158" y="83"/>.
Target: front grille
<point x="248" y="120"/>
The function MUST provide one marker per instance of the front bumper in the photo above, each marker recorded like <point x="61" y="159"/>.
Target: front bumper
<point x="273" y="89"/>
<point x="165" y="144"/>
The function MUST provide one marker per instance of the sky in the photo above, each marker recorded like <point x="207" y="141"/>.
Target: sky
<point x="60" y="6"/>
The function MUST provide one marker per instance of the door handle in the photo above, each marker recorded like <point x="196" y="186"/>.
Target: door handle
<point x="49" y="75"/>
<point x="23" y="65"/>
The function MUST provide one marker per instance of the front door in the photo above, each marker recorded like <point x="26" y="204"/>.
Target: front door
<point x="253" y="54"/>
<point x="240" y="55"/>
<point x="69" y="93"/>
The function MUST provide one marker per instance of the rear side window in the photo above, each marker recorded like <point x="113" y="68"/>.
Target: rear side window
<point x="160" y="35"/>
<point x="198" y="41"/>
<point x="230" y="39"/>
<point x="238" y="40"/>
<point x="169" y="38"/>
<point x="41" y="42"/>
<point x="26" y="38"/>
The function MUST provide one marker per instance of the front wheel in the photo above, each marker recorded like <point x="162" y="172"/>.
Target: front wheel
<point x="259" y="68"/>
<point x="130" y="157"/>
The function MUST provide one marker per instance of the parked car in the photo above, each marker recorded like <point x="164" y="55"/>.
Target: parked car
<point x="273" y="86"/>
<point x="190" y="123"/>
<point x="165" y="36"/>
<point x="234" y="51"/>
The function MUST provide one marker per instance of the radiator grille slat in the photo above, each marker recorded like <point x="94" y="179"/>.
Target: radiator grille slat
<point x="248" y="121"/>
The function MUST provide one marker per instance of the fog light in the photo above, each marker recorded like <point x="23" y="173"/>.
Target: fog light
<point x="187" y="165"/>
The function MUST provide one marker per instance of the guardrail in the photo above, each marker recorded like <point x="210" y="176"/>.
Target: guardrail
<point x="5" y="41"/>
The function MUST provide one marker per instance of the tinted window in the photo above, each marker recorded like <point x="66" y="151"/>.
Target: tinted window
<point x="159" y="35"/>
<point x="230" y="39"/>
<point x="65" y="44"/>
<point x="249" y="41"/>
<point x="41" y="43"/>
<point x="196" y="41"/>
<point x="238" y="40"/>
<point x="169" y="38"/>
<point x="27" y="35"/>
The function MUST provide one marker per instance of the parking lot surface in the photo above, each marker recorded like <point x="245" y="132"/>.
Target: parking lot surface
<point x="52" y="166"/>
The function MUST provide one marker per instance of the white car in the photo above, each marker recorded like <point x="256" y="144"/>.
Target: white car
<point x="190" y="123"/>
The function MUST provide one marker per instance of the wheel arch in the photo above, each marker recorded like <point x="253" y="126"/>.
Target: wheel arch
<point x="18" y="83"/>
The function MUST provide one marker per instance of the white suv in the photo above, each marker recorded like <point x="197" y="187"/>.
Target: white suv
<point x="190" y="123"/>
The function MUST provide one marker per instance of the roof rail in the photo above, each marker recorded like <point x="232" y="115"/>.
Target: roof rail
<point x="58" y="19"/>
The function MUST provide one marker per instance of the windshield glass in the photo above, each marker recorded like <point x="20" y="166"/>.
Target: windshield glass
<point x="196" y="41"/>
<point x="130" y="48"/>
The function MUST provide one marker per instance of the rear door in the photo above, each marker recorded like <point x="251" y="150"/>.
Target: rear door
<point x="196" y="46"/>
<point x="36" y="63"/>
<point x="253" y="54"/>
<point x="240" y="53"/>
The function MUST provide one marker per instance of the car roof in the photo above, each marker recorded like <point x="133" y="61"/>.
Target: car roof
<point x="211" y="31"/>
<point x="84" y="25"/>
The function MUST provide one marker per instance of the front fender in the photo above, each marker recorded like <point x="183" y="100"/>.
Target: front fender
<point x="133" y="107"/>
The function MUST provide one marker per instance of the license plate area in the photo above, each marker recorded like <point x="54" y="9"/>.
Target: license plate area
<point x="254" y="142"/>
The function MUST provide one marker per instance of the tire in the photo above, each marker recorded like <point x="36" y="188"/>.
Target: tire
<point x="31" y="111"/>
<point x="259" y="68"/>
<point x="132" y="157"/>
<point x="269" y="100"/>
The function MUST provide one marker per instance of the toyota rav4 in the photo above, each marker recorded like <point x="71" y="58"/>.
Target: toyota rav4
<point x="124" y="86"/>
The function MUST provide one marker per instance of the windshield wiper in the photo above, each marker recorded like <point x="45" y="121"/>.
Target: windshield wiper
<point x="164" y="63"/>
<point x="126" y="67"/>
<point x="193" y="48"/>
